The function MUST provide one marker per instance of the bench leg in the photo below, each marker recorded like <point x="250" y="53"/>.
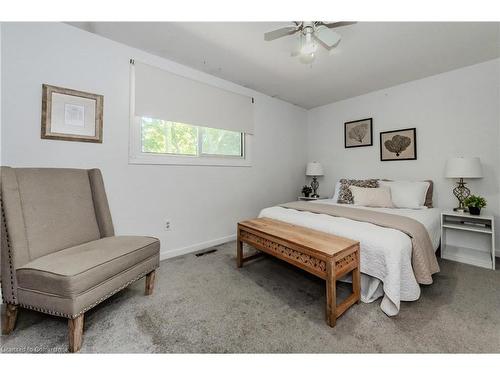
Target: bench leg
<point x="9" y="317"/>
<point x="356" y="284"/>
<point x="240" y="259"/>
<point x="75" y="328"/>
<point x="239" y="253"/>
<point x="150" y="283"/>
<point x="331" y="294"/>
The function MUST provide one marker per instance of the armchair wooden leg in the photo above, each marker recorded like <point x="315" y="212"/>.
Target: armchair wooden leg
<point x="150" y="283"/>
<point x="75" y="328"/>
<point x="9" y="317"/>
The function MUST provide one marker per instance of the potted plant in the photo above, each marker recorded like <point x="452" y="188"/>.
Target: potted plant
<point x="475" y="203"/>
<point x="306" y="190"/>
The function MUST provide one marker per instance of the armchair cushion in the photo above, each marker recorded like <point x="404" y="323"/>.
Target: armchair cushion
<point x="70" y="272"/>
<point x="57" y="208"/>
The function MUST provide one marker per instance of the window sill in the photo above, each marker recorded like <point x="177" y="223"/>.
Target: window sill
<point x="187" y="160"/>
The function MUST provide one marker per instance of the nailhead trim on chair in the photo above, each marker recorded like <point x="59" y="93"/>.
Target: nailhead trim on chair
<point x="9" y="252"/>
<point x="57" y="313"/>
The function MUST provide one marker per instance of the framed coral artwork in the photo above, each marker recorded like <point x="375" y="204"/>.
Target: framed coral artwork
<point x="358" y="133"/>
<point x="398" y="145"/>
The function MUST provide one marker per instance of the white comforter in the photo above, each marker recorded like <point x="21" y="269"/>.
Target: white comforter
<point x="385" y="253"/>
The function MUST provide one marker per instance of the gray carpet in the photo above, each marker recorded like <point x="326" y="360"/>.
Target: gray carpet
<point x="206" y="304"/>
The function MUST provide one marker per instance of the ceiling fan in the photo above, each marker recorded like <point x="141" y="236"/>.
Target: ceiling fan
<point x="310" y="34"/>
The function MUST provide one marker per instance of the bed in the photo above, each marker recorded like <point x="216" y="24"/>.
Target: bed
<point x="386" y="253"/>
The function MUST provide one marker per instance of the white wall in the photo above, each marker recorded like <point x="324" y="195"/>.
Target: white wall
<point x="203" y="203"/>
<point x="455" y="113"/>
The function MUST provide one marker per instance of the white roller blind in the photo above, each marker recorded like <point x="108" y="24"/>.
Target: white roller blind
<point x="163" y="95"/>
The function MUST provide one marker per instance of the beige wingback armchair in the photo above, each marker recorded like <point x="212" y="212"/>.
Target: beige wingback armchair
<point x="59" y="252"/>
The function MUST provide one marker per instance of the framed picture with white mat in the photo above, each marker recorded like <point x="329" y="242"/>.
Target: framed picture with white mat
<point x="71" y="115"/>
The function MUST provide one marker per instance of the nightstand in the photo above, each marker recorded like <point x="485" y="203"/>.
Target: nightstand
<point x="310" y="198"/>
<point x="479" y="230"/>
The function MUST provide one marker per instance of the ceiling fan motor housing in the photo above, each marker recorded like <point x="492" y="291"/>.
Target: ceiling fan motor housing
<point x="307" y="27"/>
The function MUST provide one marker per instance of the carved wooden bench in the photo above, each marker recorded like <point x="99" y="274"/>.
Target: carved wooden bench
<point x="324" y="255"/>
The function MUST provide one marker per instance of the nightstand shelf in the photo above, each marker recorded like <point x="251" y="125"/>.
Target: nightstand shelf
<point x="482" y="225"/>
<point x="471" y="228"/>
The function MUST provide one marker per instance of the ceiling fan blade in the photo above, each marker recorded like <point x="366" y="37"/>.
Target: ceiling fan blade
<point x="327" y="37"/>
<point x="332" y="25"/>
<point x="284" y="31"/>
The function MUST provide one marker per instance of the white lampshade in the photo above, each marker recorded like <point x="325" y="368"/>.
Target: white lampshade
<point x="464" y="168"/>
<point x="314" y="169"/>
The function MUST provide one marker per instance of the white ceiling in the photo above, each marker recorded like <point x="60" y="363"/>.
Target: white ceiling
<point x="371" y="55"/>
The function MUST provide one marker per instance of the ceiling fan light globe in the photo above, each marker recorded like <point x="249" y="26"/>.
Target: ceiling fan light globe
<point x="307" y="58"/>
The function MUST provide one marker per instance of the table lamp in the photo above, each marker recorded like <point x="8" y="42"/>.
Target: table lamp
<point x="460" y="168"/>
<point x="314" y="169"/>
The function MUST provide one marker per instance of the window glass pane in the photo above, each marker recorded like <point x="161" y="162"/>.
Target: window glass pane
<point x="168" y="137"/>
<point x="221" y="142"/>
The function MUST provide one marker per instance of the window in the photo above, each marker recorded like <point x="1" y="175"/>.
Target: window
<point x="174" y="138"/>
<point x="208" y="125"/>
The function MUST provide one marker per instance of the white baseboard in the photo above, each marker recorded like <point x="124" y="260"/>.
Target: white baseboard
<point x="196" y="247"/>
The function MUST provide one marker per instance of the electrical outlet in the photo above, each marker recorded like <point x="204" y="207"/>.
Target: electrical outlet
<point x="168" y="225"/>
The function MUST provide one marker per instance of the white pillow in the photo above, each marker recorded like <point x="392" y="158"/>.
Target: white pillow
<point x="371" y="197"/>
<point x="336" y="192"/>
<point x="407" y="194"/>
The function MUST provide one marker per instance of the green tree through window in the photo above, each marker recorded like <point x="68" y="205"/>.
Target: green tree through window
<point x="221" y="142"/>
<point x="166" y="137"/>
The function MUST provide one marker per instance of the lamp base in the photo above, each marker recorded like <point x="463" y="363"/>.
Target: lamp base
<point x="461" y="192"/>
<point x="315" y="186"/>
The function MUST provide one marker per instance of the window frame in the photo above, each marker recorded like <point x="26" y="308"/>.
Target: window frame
<point x="137" y="156"/>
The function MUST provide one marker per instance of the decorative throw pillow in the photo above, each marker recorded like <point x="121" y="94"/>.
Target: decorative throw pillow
<point x="407" y="194"/>
<point x="345" y="195"/>
<point x="428" y="196"/>
<point x="372" y="197"/>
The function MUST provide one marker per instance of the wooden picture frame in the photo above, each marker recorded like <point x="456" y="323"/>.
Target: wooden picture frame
<point x="71" y="115"/>
<point x="358" y="133"/>
<point x="398" y="144"/>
